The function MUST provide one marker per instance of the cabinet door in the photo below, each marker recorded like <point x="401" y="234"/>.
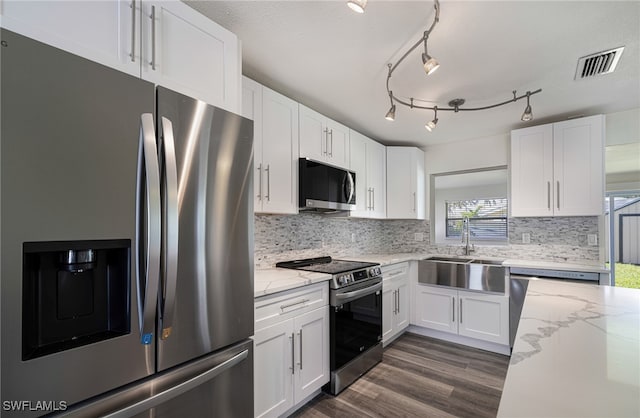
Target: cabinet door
<point x="436" y="308"/>
<point x="483" y="316"/>
<point x="252" y="109"/>
<point x="578" y="166"/>
<point x="531" y="166"/>
<point x="279" y="153"/>
<point x="313" y="135"/>
<point x="377" y="178"/>
<point x="401" y="197"/>
<point x="273" y="369"/>
<point x="358" y="164"/>
<point x="402" y="314"/>
<point x="388" y="309"/>
<point x="102" y="31"/>
<point x="337" y="144"/>
<point x="187" y="52"/>
<point x="312" y="352"/>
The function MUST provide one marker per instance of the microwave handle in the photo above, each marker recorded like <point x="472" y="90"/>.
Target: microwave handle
<point x="349" y="187"/>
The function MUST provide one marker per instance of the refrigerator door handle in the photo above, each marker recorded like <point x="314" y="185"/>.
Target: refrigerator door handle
<point x="166" y="395"/>
<point x="148" y="228"/>
<point x="170" y="230"/>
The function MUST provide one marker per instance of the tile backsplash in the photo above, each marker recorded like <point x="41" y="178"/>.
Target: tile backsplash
<point x="286" y="237"/>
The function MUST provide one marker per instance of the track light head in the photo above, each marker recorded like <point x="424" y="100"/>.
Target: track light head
<point x="431" y="125"/>
<point x="391" y="114"/>
<point x="528" y="114"/>
<point x="429" y="63"/>
<point x="357" y="6"/>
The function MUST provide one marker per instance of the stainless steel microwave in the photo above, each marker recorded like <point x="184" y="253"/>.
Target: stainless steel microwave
<point x="325" y="188"/>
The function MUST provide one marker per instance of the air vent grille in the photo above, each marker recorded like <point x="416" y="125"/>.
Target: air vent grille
<point x="597" y="64"/>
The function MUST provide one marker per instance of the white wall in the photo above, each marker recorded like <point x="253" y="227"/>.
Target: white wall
<point x="622" y="160"/>
<point x="477" y="153"/>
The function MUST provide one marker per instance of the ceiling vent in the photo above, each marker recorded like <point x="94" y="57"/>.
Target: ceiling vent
<point x="604" y="62"/>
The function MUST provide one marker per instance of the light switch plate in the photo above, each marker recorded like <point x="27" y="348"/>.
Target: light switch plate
<point x="592" y="239"/>
<point x="526" y="238"/>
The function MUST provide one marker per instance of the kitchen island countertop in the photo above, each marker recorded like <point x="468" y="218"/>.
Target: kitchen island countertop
<point x="576" y="353"/>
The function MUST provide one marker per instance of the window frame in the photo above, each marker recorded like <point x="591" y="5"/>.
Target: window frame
<point x="449" y="237"/>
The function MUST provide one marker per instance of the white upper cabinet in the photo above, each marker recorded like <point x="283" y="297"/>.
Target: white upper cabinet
<point x="368" y="161"/>
<point x="558" y="169"/>
<point x="166" y="42"/>
<point x="405" y="183"/>
<point x="185" y="51"/>
<point x="107" y="32"/>
<point x="275" y="148"/>
<point x="323" y="139"/>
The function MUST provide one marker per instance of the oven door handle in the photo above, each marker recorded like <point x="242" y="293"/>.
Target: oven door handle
<point x="349" y="296"/>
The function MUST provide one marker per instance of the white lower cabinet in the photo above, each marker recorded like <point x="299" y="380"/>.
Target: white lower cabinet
<point x="475" y="315"/>
<point x="291" y="355"/>
<point x="395" y="300"/>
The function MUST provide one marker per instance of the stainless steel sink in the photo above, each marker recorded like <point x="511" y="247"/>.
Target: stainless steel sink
<point x="450" y="259"/>
<point x="464" y="273"/>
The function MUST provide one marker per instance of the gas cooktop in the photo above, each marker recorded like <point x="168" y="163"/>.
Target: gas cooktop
<point x="325" y="265"/>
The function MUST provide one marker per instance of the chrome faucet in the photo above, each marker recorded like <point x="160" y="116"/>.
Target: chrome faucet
<point x="466" y="235"/>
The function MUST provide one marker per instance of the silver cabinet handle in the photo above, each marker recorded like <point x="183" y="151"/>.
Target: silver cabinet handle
<point x="300" y="364"/>
<point x="260" y="181"/>
<point x="133" y="31"/>
<point x="461" y="311"/>
<point x="326" y="141"/>
<point x="415" y="204"/>
<point x="558" y="194"/>
<point x="170" y="230"/>
<point x="395" y="308"/>
<point x="398" y="296"/>
<point x="331" y="148"/>
<point x="373" y="198"/>
<point x="292" y="353"/>
<point x="303" y="301"/>
<point x="549" y="195"/>
<point x="148" y="227"/>
<point x="453" y="308"/>
<point x="153" y="38"/>
<point x="268" y="171"/>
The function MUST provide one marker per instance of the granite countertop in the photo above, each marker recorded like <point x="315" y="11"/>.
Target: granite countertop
<point x="273" y="280"/>
<point x="576" y="354"/>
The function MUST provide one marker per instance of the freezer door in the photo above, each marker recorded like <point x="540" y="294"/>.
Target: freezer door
<point x="210" y="306"/>
<point x="218" y="385"/>
<point x="69" y="146"/>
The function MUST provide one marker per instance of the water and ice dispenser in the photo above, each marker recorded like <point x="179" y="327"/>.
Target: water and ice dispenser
<point x="74" y="293"/>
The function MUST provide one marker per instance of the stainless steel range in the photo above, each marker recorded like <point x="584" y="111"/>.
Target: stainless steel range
<point x="355" y="297"/>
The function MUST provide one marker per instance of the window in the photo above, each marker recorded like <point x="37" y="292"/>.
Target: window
<point x="487" y="218"/>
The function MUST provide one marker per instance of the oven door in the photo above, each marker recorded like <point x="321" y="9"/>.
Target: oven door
<point x="356" y="322"/>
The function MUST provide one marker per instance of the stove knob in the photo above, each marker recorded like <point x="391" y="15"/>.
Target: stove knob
<point x="351" y="279"/>
<point x="343" y="279"/>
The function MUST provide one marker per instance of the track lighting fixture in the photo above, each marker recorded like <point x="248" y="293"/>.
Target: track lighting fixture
<point x="430" y="64"/>
<point x="391" y="114"/>
<point x="357" y="5"/>
<point x="432" y="124"/>
<point x="527" y="115"/>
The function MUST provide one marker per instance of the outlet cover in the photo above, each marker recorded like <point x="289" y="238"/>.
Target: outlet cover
<point x="418" y="236"/>
<point x="592" y="239"/>
<point x="526" y="238"/>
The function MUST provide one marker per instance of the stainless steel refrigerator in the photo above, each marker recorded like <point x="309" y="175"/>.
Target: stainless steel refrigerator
<point x="126" y="244"/>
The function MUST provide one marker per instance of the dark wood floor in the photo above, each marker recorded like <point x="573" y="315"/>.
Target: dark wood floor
<point x="421" y="377"/>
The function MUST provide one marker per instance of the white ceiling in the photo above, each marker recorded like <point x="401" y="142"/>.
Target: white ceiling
<point x="333" y="60"/>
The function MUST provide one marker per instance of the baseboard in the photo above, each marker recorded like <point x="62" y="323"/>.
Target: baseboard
<point x="459" y="339"/>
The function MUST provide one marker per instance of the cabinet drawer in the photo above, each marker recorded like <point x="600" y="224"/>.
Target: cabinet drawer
<point x="395" y="271"/>
<point x="270" y="310"/>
